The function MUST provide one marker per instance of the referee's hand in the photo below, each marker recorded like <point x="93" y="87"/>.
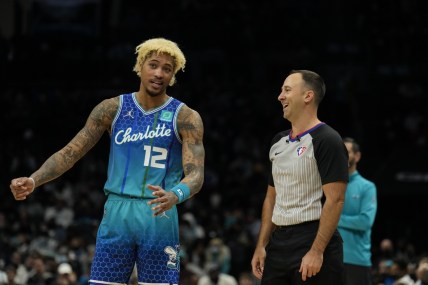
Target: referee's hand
<point x="311" y="264"/>
<point x="258" y="262"/>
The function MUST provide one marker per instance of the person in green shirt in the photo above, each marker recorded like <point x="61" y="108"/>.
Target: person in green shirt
<point x="356" y="221"/>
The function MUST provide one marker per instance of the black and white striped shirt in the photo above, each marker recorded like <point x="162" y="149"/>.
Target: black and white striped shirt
<point x="300" y="166"/>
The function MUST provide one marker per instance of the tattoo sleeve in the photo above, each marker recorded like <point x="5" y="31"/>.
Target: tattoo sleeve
<point x="191" y="129"/>
<point x="99" y="121"/>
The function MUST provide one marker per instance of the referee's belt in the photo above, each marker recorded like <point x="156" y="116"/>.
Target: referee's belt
<point x="279" y="227"/>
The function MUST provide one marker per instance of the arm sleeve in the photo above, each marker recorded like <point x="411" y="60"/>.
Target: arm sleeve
<point x="331" y="155"/>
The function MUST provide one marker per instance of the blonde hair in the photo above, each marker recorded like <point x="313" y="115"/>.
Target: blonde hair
<point x="160" y="45"/>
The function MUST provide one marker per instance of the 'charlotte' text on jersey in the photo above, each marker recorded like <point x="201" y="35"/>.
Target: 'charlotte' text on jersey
<point x="125" y="136"/>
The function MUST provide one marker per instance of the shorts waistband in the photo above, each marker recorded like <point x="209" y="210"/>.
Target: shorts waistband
<point x="280" y="227"/>
<point x="116" y="196"/>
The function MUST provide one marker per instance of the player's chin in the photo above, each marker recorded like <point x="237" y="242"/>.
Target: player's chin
<point x="155" y="91"/>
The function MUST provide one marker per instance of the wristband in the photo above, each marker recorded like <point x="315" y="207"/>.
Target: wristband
<point x="34" y="183"/>
<point x="182" y="191"/>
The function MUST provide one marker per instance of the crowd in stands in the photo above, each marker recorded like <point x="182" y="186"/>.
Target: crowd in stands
<point x="54" y="73"/>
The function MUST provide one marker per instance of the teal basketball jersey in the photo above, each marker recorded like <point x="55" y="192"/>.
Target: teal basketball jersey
<point x="145" y="148"/>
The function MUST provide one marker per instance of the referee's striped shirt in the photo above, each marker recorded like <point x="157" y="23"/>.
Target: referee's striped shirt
<point x="300" y="166"/>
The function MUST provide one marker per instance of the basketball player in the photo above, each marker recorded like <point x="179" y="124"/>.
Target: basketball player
<point x="155" y="139"/>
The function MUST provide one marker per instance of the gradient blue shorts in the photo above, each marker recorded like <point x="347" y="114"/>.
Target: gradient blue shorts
<point x="130" y="234"/>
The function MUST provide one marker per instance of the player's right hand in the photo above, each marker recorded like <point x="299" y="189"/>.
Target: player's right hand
<point x="22" y="187"/>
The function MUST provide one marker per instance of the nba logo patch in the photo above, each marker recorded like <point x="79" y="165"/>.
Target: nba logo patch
<point x="166" y="116"/>
<point x="301" y="150"/>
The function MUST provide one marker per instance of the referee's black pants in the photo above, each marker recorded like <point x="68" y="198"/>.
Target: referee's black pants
<point x="285" y="250"/>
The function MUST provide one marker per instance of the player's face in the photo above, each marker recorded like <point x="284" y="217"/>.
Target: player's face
<point x="354" y="157"/>
<point x="351" y="159"/>
<point x="292" y="95"/>
<point x="156" y="73"/>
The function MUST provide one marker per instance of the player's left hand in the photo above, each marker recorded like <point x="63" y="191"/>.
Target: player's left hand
<point x="164" y="201"/>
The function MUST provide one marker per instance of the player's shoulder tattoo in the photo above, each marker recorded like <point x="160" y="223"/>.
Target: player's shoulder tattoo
<point x="105" y="111"/>
<point x="189" y="120"/>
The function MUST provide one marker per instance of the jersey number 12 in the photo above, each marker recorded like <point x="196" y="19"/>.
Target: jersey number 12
<point x="153" y="156"/>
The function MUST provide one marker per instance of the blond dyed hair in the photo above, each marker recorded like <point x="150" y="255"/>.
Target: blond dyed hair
<point x="160" y="45"/>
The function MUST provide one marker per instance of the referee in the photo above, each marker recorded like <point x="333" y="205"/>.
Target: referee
<point x="298" y="240"/>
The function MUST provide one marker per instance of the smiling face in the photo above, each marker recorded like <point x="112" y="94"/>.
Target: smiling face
<point x="156" y="73"/>
<point x="292" y="96"/>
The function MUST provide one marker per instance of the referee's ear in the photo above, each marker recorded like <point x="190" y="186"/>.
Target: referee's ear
<point x="309" y="96"/>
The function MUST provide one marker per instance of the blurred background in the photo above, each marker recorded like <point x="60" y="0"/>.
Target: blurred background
<point x="59" y="58"/>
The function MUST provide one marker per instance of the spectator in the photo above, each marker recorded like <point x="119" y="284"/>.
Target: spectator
<point x="399" y="271"/>
<point x="66" y="275"/>
<point x="39" y="275"/>
<point x="216" y="277"/>
<point x="11" y="273"/>
<point x="21" y="274"/>
<point x="422" y="272"/>
<point x="219" y="253"/>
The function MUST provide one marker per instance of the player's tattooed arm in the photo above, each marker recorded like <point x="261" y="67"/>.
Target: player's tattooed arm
<point x="191" y="129"/>
<point x="99" y="121"/>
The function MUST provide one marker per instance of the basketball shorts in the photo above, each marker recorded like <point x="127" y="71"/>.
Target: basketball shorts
<point x="129" y="235"/>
